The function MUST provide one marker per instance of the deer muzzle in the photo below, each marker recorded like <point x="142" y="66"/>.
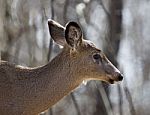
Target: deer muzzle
<point x="115" y="77"/>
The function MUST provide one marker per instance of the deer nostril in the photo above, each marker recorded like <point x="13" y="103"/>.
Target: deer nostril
<point x="120" y="77"/>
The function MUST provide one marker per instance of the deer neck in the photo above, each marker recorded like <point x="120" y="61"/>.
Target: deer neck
<point x="57" y="79"/>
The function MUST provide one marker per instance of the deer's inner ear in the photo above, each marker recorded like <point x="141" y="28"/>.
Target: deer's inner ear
<point x="73" y="34"/>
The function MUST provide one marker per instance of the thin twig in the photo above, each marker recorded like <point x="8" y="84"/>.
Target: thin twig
<point x="75" y="103"/>
<point x="105" y="10"/>
<point x="129" y="98"/>
<point x="105" y="99"/>
<point x="120" y="100"/>
<point x="51" y="41"/>
<point x="65" y="11"/>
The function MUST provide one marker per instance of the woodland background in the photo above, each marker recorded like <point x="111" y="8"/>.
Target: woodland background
<point x="119" y="27"/>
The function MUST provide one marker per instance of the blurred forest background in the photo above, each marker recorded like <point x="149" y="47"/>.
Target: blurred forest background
<point x="119" y="27"/>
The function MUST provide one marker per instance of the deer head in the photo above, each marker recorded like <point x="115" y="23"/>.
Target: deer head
<point x="85" y="60"/>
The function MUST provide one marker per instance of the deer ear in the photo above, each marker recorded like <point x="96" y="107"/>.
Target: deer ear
<point x="73" y="34"/>
<point x="57" y="32"/>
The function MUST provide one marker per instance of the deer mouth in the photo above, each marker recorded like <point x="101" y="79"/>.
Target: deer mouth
<point x="113" y="79"/>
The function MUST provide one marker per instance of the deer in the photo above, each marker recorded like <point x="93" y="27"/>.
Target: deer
<point x="30" y="91"/>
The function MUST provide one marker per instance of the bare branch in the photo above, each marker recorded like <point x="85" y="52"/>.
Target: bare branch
<point x="75" y="103"/>
<point x="105" y="10"/>
<point x="120" y="99"/>
<point x="104" y="98"/>
<point x="129" y="98"/>
<point x="65" y="11"/>
<point x="51" y="41"/>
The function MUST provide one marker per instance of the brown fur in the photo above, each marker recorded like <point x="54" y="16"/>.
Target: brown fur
<point x="29" y="91"/>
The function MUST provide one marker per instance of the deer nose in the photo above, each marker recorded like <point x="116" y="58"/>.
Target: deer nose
<point x="120" y="77"/>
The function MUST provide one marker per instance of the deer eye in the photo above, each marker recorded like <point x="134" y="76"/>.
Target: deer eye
<point x="97" y="57"/>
